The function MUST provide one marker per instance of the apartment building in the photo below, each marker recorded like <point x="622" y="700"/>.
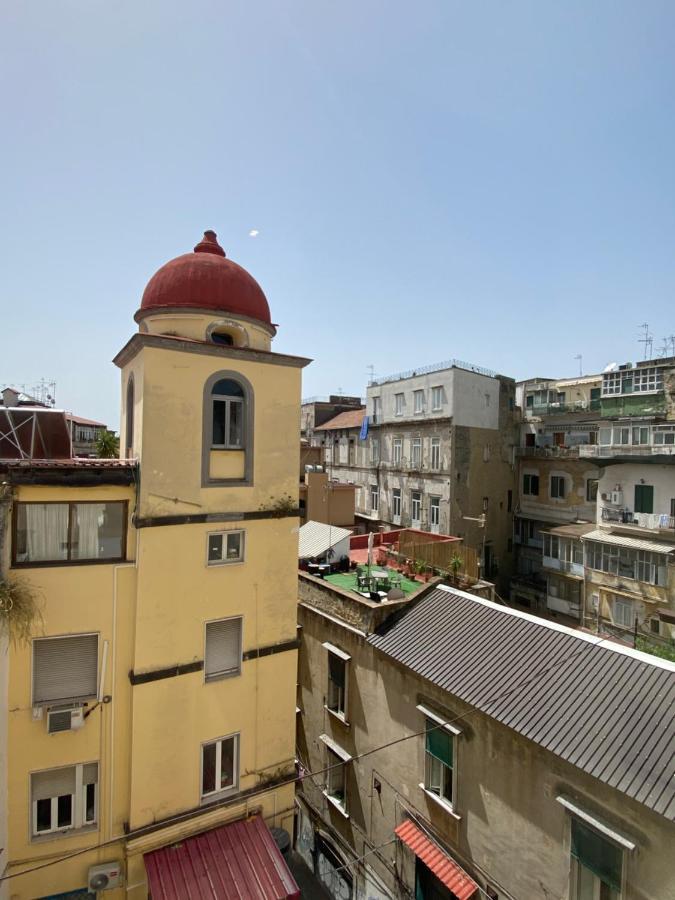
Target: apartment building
<point x="150" y="716"/>
<point x="595" y="458"/>
<point x="434" y="452"/>
<point x="315" y="411"/>
<point x="453" y="747"/>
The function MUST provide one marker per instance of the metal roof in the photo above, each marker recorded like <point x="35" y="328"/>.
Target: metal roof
<point x="607" y="709"/>
<point x="316" y="538"/>
<point x="235" y="861"/>
<point x="608" y="537"/>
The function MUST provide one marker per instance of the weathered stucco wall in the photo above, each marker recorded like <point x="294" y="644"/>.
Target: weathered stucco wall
<point x="508" y="829"/>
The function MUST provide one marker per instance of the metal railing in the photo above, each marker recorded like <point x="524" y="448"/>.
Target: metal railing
<point x="435" y="367"/>
<point x="552" y="451"/>
<point x="640" y="520"/>
<point x="595" y="450"/>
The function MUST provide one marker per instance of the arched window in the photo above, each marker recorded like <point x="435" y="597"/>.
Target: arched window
<point x="129" y="430"/>
<point x="228" y="415"/>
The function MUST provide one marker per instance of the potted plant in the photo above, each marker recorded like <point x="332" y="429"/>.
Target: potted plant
<point x="456" y="564"/>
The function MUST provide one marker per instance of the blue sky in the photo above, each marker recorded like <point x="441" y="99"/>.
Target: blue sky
<point x="488" y="181"/>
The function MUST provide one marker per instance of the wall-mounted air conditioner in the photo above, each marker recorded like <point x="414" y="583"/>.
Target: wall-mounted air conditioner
<point x="616" y="498"/>
<point x="105" y="877"/>
<point x="64" y="718"/>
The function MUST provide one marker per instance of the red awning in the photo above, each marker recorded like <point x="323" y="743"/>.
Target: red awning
<point x="239" y="861"/>
<point x="444" y="868"/>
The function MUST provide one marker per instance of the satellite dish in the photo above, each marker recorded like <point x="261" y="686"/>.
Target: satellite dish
<point x="611" y="367"/>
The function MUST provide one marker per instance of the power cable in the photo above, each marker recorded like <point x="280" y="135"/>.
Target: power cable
<point x="232" y="801"/>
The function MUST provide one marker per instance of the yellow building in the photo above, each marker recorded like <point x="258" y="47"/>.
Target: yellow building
<point x="156" y="700"/>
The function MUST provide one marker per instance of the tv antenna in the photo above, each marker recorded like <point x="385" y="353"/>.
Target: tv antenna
<point x="647" y="340"/>
<point x="579" y="357"/>
<point x="371" y="372"/>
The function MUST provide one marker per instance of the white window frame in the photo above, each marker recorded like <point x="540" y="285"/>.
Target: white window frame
<point x="399" y="403"/>
<point x="416" y="504"/>
<point x="340" y="713"/>
<point x="374" y="449"/>
<point x="78" y="807"/>
<point x="397" y="451"/>
<point x="396" y="502"/>
<point x="221" y="792"/>
<point x="437" y="398"/>
<point x="418" y="402"/>
<point x="455" y="733"/>
<point x="434" y="512"/>
<point x="623" y="613"/>
<point x="374" y="498"/>
<point x="230" y="673"/>
<point x="435" y="458"/>
<point x="334" y="756"/>
<point x="225" y="533"/>
<point x="416" y="451"/>
<point x="560" y="479"/>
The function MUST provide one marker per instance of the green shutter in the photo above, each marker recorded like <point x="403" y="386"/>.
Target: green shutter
<point x="439" y="743"/>
<point x="598" y="854"/>
<point x="644" y="498"/>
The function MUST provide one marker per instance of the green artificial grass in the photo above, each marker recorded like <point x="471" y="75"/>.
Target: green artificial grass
<point x="347" y="581"/>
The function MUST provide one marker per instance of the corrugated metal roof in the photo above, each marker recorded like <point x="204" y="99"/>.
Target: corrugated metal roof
<point x="444" y="868"/>
<point x="317" y="537"/>
<point x="608" y="537"/>
<point x="239" y="861"/>
<point x="606" y="709"/>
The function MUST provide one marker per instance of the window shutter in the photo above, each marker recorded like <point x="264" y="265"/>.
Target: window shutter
<point x="596" y="853"/>
<point x="65" y="668"/>
<point x="223" y="647"/>
<point x="54" y="783"/>
<point x="90" y="773"/>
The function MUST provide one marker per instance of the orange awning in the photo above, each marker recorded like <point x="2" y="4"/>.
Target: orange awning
<point x="444" y="868"/>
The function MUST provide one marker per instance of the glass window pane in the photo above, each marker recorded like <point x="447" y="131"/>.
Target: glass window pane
<point x="90" y="803"/>
<point x="42" y="531"/>
<point x="226" y="763"/>
<point x="97" y="530"/>
<point x="215" y="547"/>
<point x="597" y="854"/>
<point x="219" y="407"/>
<point x="236" y="425"/>
<point x="234" y="545"/>
<point x="64" y="807"/>
<point x="208" y="768"/>
<point x="44" y="815"/>
<point x="228" y="388"/>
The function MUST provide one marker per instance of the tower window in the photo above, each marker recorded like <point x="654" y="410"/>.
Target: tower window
<point x="222" y="338"/>
<point x="227" y="402"/>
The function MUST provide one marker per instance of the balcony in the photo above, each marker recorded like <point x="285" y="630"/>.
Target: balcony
<point x="555" y="409"/>
<point x="650" y="521"/>
<point x="595" y="451"/>
<point x="567" y="567"/>
<point x="552" y="452"/>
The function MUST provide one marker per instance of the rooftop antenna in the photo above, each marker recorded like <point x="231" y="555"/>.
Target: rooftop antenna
<point x="647" y="340"/>
<point x="371" y="372"/>
<point x="579" y="357"/>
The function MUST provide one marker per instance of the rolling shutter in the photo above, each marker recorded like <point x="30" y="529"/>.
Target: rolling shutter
<point x="54" y="783"/>
<point x="65" y="668"/>
<point x="223" y="648"/>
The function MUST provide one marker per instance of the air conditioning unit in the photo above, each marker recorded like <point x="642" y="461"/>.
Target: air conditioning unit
<point x="105" y="877"/>
<point x="64" y="718"/>
<point x="616" y="498"/>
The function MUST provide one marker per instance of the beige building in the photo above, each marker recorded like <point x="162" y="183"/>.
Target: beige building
<point x="436" y="454"/>
<point x="452" y="747"/>
<point x="150" y="716"/>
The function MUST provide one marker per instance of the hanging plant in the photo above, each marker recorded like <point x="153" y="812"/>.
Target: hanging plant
<point x="20" y="613"/>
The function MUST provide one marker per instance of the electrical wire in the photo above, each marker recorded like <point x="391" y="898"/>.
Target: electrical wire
<point x="266" y="790"/>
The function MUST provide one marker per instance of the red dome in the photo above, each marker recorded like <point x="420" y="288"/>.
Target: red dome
<point x="205" y="280"/>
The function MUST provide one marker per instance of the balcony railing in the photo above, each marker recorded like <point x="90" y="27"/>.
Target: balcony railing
<point x="652" y="521"/>
<point x="607" y="452"/>
<point x="552" y="452"/>
<point x="553" y="409"/>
